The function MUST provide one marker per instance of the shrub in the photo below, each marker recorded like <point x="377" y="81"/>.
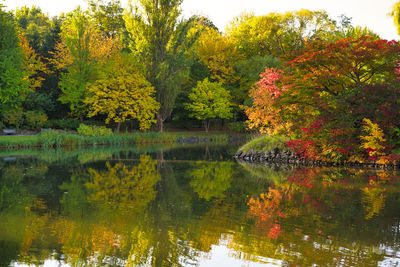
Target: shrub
<point x="266" y="142"/>
<point x="14" y="118"/>
<point x="94" y="130"/>
<point x="35" y="119"/>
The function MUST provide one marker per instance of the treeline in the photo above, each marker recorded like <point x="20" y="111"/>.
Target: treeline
<point x="145" y="65"/>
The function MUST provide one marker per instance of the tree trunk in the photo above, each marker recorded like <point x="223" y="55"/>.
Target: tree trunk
<point x="160" y="122"/>
<point x="206" y="125"/>
<point x="118" y="126"/>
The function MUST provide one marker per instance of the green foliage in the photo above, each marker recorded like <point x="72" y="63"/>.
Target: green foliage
<point x="13" y="85"/>
<point x="94" y="130"/>
<point x="211" y="179"/>
<point x="37" y="27"/>
<point x="14" y="118"/>
<point x="108" y="16"/>
<point x="237" y="126"/>
<point x="35" y="119"/>
<point x="265" y="142"/>
<point x="160" y="42"/>
<point x="209" y="101"/>
<point x="279" y="34"/>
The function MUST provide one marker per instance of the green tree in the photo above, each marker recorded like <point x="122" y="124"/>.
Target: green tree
<point x="13" y="85"/>
<point x="160" y="42"/>
<point x="108" y="17"/>
<point x="121" y="92"/>
<point x="209" y="100"/>
<point x="37" y="27"/>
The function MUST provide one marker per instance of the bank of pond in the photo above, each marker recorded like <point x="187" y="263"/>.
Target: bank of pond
<point x="191" y="204"/>
<point x="55" y="138"/>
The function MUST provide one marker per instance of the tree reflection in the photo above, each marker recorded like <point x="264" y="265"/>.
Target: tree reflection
<point x="211" y="179"/>
<point x="123" y="186"/>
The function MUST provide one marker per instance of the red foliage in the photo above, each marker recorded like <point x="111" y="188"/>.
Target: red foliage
<point x="274" y="231"/>
<point x="301" y="177"/>
<point x="303" y="149"/>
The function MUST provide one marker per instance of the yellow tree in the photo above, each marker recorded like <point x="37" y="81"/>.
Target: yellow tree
<point x="32" y="64"/>
<point x="121" y="92"/>
<point x="219" y="54"/>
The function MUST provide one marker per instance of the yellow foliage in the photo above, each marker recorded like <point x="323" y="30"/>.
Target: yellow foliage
<point x="373" y="200"/>
<point x="219" y="54"/>
<point x="122" y="92"/>
<point x="373" y="140"/>
<point x="32" y="64"/>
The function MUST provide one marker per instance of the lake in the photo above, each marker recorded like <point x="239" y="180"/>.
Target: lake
<point x="191" y="205"/>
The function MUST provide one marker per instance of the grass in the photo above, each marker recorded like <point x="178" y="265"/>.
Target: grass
<point x="63" y="139"/>
<point x="264" y="143"/>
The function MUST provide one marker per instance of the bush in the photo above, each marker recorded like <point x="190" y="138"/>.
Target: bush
<point x="94" y="130"/>
<point x="265" y="142"/>
<point x="35" y="119"/>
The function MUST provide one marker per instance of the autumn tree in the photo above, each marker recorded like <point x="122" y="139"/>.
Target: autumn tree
<point x="279" y="34"/>
<point x="121" y="92"/>
<point x="159" y="41"/>
<point x="264" y="114"/>
<point x="326" y="91"/>
<point x="219" y="54"/>
<point x="209" y="100"/>
<point x="82" y="50"/>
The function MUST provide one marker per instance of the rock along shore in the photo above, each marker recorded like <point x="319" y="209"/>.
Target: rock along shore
<point x="284" y="156"/>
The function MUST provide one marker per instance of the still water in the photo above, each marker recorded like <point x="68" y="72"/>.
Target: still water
<point x="191" y="206"/>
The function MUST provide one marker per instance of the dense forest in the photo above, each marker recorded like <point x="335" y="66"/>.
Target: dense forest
<point x="329" y="85"/>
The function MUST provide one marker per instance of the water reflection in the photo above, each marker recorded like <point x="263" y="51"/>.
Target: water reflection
<point x="130" y="208"/>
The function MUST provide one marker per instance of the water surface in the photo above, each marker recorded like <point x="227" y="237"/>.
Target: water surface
<point x="191" y="206"/>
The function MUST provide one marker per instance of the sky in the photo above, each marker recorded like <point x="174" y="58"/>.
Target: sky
<point x="369" y="13"/>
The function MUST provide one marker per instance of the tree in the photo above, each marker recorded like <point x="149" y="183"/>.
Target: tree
<point x="208" y="101"/>
<point x="160" y="41"/>
<point x="219" y="54"/>
<point x="121" y="92"/>
<point x="13" y="82"/>
<point x="264" y="114"/>
<point x="108" y="17"/>
<point x="82" y="50"/>
<point x="279" y="34"/>
<point x="326" y="91"/>
<point x="37" y="27"/>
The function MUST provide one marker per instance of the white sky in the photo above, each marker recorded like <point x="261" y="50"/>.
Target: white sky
<point x="370" y="13"/>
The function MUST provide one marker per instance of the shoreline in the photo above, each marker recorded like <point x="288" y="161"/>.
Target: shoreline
<point x="284" y="156"/>
<point x="53" y="139"/>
